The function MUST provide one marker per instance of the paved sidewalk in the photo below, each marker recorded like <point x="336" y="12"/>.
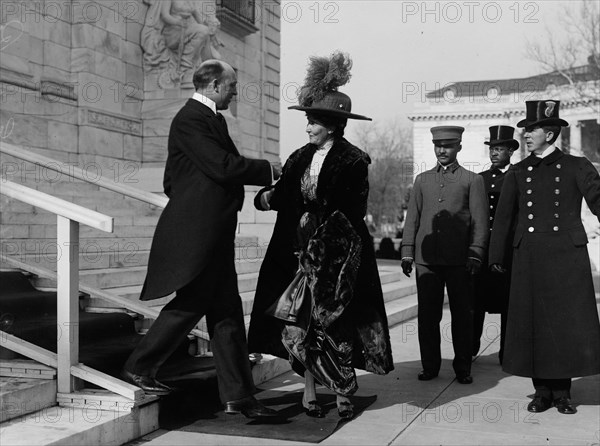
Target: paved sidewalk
<point x="491" y="411"/>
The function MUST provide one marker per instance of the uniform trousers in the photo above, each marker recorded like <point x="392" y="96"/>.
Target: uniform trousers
<point x="552" y="388"/>
<point x="478" y="322"/>
<point x="431" y="280"/>
<point x="214" y="294"/>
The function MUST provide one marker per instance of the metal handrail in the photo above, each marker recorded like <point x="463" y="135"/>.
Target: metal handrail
<point x="147" y="197"/>
<point x="58" y="206"/>
<point x="49" y="163"/>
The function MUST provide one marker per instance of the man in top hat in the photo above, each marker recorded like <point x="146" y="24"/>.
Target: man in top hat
<point x="553" y="333"/>
<point x="445" y="235"/>
<point x="491" y="290"/>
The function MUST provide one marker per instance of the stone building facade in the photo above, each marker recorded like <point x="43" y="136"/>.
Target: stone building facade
<point x="75" y="85"/>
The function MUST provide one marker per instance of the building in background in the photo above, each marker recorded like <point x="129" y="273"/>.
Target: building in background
<point x="94" y="85"/>
<point x="477" y="105"/>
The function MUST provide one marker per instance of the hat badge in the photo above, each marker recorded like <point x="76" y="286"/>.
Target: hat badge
<point x="549" y="108"/>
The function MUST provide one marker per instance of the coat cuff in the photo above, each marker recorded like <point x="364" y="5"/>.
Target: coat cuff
<point x="476" y="252"/>
<point x="407" y="251"/>
<point x="259" y="203"/>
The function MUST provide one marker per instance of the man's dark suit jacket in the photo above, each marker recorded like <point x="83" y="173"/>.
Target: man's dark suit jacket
<point x="204" y="180"/>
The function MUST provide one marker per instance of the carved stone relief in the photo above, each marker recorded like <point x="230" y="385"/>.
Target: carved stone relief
<point x="177" y="36"/>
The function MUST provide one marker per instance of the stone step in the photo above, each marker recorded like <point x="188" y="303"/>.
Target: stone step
<point x="90" y="258"/>
<point x="20" y="396"/>
<point x="392" y="290"/>
<point x="101" y="278"/>
<point x="41" y="245"/>
<point x="387" y="276"/>
<point x="402" y="309"/>
<point x="246" y="283"/>
<point x="247" y="248"/>
<point x="84" y="425"/>
<point x="398" y="290"/>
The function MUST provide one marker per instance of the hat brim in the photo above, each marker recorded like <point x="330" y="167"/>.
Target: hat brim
<point x="548" y="121"/>
<point x="448" y="140"/>
<point x="329" y="112"/>
<point x="511" y="143"/>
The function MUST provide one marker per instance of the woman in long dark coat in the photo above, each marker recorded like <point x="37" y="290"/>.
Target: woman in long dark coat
<point x="340" y="323"/>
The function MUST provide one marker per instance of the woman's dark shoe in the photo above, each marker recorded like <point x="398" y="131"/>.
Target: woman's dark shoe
<point x="313" y="409"/>
<point x="345" y="410"/>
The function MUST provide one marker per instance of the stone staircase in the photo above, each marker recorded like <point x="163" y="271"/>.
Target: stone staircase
<point x="117" y="263"/>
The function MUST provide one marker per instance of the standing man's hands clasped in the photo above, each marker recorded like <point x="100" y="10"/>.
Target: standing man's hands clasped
<point x="497" y="268"/>
<point x="473" y="266"/>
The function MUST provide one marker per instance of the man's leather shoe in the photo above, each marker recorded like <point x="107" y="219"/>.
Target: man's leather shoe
<point x="464" y="379"/>
<point x="425" y="375"/>
<point x="147" y="384"/>
<point x="250" y="407"/>
<point x="564" y="405"/>
<point x="539" y="404"/>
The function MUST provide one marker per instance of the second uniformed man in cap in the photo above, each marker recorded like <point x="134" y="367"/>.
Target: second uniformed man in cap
<point x="445" y="235"/>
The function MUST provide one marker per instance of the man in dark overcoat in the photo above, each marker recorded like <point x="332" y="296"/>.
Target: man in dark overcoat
<point x="492" y="290"/>
<point x="446" y="235"/>
<point x="553" y="333"/>
<point x="192" y="250"/>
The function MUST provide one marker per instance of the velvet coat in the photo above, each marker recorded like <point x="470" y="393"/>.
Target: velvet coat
<point x="553" y="330"/>
<point x="342" y="186"/>
<point x="204" y="180"/>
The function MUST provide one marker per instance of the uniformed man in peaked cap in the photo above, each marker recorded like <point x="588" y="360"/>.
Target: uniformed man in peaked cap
<point x="446" y="235"/>
<point x="492" y="290"/>
<point x="553" y="333"/>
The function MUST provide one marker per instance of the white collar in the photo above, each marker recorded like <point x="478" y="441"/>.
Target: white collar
<point x="547" y="152"/>
<point x="505" y="168"/>
<point x="325" y="146"/>
<point x="206" y="101"/>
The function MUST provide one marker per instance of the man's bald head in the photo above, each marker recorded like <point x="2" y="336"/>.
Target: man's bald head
<point x="209" y="71"/>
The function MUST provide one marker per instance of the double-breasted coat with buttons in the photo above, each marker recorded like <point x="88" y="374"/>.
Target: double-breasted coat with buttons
<point x="492" y="290"/>
<point x="553" y="330"/>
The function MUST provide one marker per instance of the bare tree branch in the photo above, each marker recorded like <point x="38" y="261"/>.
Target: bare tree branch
<point x="390" y="147"/>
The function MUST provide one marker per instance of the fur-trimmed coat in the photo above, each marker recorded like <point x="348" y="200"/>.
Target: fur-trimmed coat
<point x="342" y="186"/>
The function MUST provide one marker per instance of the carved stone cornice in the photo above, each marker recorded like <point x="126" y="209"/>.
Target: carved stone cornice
<point x="462" y="115"/>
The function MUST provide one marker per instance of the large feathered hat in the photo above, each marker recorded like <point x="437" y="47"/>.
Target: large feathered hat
<point x="320" y="94"/>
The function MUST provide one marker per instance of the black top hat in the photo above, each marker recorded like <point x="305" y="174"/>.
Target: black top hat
<point x="320" y="95"/>
<point x="335" y="104"/>
<point x="542" y="113"/>
<point x="502" y="135"/>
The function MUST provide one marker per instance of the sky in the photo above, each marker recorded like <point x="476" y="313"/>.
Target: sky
<point x="403" y="49"/>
